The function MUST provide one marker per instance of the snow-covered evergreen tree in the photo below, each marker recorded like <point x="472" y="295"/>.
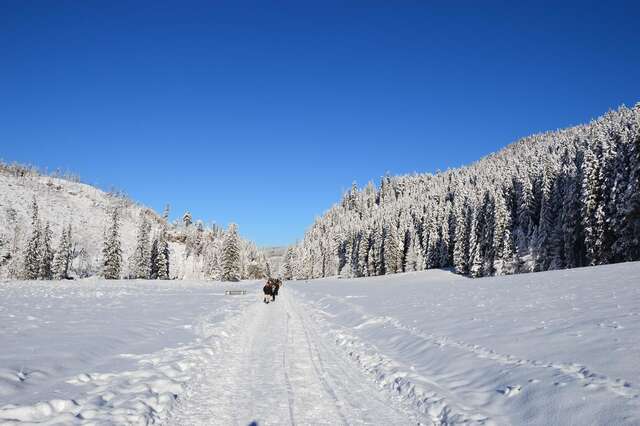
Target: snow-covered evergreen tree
<point x="140" y="260"/>
<point x="287" y="265"/>
<point x="186" y="219"/>
<point x="112" y="251"/>
<point x="161" y="264"/>
<point x="62" y="259"/>
<point x="46" y="255"/>
<point x="32" y="254"/>
<point x="231" y="254"/>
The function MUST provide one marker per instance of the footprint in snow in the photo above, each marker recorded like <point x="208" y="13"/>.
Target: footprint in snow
<point x="510" y="391"/>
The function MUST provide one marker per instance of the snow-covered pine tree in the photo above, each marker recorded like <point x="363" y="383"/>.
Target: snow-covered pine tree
<point x="375" y="265"/>
<point x="186" y="219"/>
<point x="570" y="219"/>
<point x="605" y="212"/>
<point x="161" y="266"/>
<point x="153" y="262"/>
<point x="62" y="258"/>
<point x="287" y="265"/>
<point x="548" y="211"/>
<point x="463" y="228"/>
<point x="32" y="254"/>
<point x="631" y="205"/>
<point x="592" y="199"/>
<point x="213" y="260"/>
<point x="476" y="264"/>
<point x="414" y="259"/>
<point x="46" y="254"/>
<point x="510" y="259"/>
<point x="231" y="254"/>
<point x="112" y="251"/>
<point x="140" y="261"/>
<point x="391" y="248"/>
<point x="363" y="251"/>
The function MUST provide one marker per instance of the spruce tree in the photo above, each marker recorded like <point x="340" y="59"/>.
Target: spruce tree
<point x="186" y="219"/>
<point x="461" y="249"/>
<point x="391" y="248"/>
<point x="33" y="253"/>
<point x="631" y="207"/>
<point x="140" y="261"/>
<point x="592" y="200"/>
<point x="231" y="255"/>
<point x="153" y="274"/>
<point x="62" y="259"/>
<point x="46" y="255"/>
<point x="111" y="250"/>
<point x="548" y="211"/>
<point x="287" y="265"/>
<point x="162" y="258"/>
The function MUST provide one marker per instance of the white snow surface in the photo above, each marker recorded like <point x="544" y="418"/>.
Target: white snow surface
<point x="430" y="347"/>
<point x="559" y="347"/>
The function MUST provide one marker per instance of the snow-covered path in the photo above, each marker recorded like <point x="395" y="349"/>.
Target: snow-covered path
<point x="279" y="369"/>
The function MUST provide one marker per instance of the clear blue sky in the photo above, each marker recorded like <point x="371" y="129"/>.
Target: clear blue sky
<point x="263" y="112"/>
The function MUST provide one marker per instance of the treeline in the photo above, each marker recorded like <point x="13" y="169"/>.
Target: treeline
<point x="555" y="200"/>
<point x="218" y="254"/>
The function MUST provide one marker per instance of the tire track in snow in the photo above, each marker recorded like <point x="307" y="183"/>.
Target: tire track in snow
<point x="437" y="405"/>
<point x="274" y="368"/>
<point x="581" y="373"/>
<point x="358" y="398"/>
<point x="285" y="368"/>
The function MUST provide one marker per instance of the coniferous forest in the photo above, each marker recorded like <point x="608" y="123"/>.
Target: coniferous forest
<point x="554" y="200"/>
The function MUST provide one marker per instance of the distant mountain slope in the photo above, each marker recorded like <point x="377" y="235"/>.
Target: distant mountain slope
<point x="549" y="201"/>
<point x="194" y="250"/>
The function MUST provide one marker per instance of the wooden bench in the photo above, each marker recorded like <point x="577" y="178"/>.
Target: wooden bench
<point x="235" y="292"/>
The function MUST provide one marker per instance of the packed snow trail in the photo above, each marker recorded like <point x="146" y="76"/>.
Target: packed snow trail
<point x="278" y="369"/>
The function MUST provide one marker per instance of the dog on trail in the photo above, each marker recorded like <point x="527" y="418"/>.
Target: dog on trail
<point x="271" y="289"/>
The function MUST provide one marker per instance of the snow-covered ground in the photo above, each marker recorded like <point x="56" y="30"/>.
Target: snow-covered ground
<point x="558" y="347"/>
<point x="430" y="347"/>
<point x="105" y="351"/>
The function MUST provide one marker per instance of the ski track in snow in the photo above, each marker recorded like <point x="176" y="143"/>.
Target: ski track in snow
<point x="276" y="368"/>
<point x="584" y="374"/>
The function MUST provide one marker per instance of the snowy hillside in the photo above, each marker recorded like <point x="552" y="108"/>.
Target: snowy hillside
<point x="193" y="250"/>
<point x="62" y="202"/>
<point x="554" y="200"/>
<point x="431" y="347"/>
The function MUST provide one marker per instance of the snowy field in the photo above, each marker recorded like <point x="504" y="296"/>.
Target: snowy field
<point x="557" y="347"/>
<point x="105" y="351"/>
<point x="431" y="347"/>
